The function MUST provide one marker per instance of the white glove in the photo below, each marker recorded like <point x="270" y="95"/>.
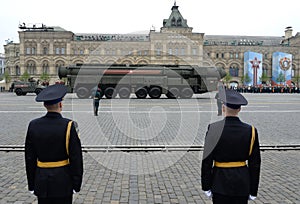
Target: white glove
<point x="31" y="192"/>
<point x="251" y="197"/>
<point x="208" y="194"/>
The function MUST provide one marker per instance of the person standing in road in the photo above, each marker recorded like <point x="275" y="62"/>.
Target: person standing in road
<point x="96" y="100"/>
<point x="219" y="104"/>
<point x="231" y="160"/>
<point x="53" y="155"/>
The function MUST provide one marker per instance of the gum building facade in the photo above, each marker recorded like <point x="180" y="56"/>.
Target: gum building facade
<point x="42" y="49"/>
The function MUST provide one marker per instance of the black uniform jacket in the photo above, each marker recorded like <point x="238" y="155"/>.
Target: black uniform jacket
<point x="229" y="140"/>
<point x="97" y="97"/>
<point x="46" y="142"/>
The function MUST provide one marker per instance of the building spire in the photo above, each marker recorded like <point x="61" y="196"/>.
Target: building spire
<point x="174" y="2"/>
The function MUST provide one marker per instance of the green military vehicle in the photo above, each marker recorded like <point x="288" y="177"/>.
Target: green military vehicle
<point x="21" y="88"/>
<point x="175" y="81"/>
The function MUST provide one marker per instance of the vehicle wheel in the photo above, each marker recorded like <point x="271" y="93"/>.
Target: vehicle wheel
<point x="124" y="92"/>
<point x="19" y="92"/>
<point x="173" y="93"/>
<point x="37" y="91"/>
<point x="141" y="93"/>
<point x="186" y="93"/>
<point x="155" y="92"/>
<point x="110" y="92"/>
<point x="82" y="92"/>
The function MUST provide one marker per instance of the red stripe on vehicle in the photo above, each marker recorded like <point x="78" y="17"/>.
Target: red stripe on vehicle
<point x="132" y="72"/>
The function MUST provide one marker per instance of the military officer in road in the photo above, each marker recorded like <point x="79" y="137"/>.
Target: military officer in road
<point x="231" y="160"/>
<point x="96" y="100"/>
<point x="53" y="155"/>
<point x="219" y="103"/>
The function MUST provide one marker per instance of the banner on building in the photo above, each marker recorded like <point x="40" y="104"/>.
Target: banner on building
<point x="252" y="68"/>
<point x="281" y="68"/>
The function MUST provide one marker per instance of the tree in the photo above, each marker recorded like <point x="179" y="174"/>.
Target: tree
<point x="297" y="79"/>
<point x="242" y="79"/>
<point x="245" y="79"/>
<point x="264" y="78"/>
<point x="7" y="77"/>
<point x="227" y="79"/>
<point x="25" y="76"/>
<point x="45" y="77"/>
<point x="280" y="78"/>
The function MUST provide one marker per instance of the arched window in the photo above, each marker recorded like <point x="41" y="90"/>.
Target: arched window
<point x="45" y="51"/>
<point x="173" y="22"/>
<point x="158" y="51"/>
<point x="194" y="51"/>
<point x="30" y="48"/>
<point x="234" y="70"/>
<point x="59" y="48"/>
<point x="179" y="22"/>
<point x="18" y="70"/>
<point x="45" y="67"/>
<point x="31" y="67"/>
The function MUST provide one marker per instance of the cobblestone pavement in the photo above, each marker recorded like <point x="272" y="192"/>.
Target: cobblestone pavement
<point x="154" y="177"/>
<point x="131" y="180"/>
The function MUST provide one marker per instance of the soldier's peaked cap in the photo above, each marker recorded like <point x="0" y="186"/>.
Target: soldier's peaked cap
<point x="232" y="98"/>
<point x="52" y="94"/>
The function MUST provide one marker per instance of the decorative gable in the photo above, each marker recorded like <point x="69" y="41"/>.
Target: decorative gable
<point x="175" y="19"/>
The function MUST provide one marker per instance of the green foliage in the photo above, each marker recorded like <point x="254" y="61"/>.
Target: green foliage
<point x="242" y="79"/>
<point x="296" y="79"/>
<point x="25" y="76"/>
<point x="264" y="77"/>
<point x="7" y="77"/>
<point x="45" y="77"/>
<point x="227" y="78"/>
<point x="281" y="78"/>
<point x="245" y="79"/>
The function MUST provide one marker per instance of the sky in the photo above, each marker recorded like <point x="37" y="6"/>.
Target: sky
<point x="212" y="17"/>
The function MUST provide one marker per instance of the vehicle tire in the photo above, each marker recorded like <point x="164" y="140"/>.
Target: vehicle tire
<point x="141" y="93"/>
<point x="37" y="91"/>
<point x="110" y="92"/>
<point x="19" y="92"/>
<point x="173" y="93"/>
<point x="186" y="93"/>
<point x="155" y="92"/>
<point x="82" y="92"/>
<point x="124" y="92"/>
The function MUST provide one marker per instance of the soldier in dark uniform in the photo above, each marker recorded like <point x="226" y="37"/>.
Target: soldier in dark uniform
<point x="219" y="104"/>
<point x="231" y="159"/>
<point x="96" y="100"/>
<point x="53" y="155"/>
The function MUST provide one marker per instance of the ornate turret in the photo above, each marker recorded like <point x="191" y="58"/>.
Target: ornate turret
<point x="175" y="22"/>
